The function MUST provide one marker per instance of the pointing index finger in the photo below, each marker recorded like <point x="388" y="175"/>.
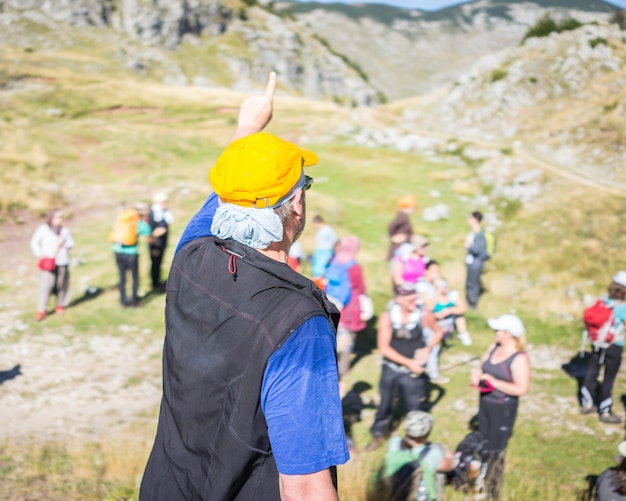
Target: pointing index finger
<point x="271" y="86"/>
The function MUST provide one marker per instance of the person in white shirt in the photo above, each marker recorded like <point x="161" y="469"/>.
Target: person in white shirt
<point x="53" y="241"/>
<point x="160" y="219"/>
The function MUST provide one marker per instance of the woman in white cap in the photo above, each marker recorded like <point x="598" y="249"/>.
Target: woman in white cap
<point x="502" y="377"/>
<point x="611" y="484"/>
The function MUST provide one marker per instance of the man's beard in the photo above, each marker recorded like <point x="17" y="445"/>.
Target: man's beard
<point x="302" y="222"/>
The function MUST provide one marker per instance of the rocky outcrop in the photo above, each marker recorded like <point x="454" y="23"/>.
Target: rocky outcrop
<point x="559" y="97"/>
<point x="305" y="63"/>
<point x="163" y="22"/>
<point x="407" y="53"/>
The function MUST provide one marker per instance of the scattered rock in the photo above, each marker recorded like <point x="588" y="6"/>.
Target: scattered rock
<point x="436" y="213"/>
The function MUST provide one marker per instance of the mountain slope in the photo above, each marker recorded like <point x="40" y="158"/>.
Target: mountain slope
<point x="560" y="98"/>
<point x="204" y="43"/>
<point x="406" y="53"/>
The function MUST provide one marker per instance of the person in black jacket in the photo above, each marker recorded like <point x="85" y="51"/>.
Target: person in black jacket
<point x="476" y="247"/>
<point x="160" y="219"/>
<point x="251" y="407"/>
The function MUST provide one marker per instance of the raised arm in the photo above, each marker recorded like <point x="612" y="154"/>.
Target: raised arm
<point x="256" y="111"/>
<point x="254" y="114"/>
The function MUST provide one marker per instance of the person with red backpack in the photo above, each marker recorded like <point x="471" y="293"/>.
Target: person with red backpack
<point x="605" y="322"/>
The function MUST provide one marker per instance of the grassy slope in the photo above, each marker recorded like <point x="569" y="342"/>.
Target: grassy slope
<point x="123" y="138"/>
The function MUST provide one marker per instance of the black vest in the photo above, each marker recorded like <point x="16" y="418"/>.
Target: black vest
<point x="228" y="308"/>
<point x="406" y="337"/>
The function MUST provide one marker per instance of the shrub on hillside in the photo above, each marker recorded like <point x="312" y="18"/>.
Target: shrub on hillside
<point x="619" y="17"/>
<point x="546" y="25"/>
<point x="597" y="41"/>
<point x="498" y="74"/>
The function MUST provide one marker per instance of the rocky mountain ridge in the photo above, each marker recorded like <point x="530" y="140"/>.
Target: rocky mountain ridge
<point x="233" y="44"/>
<point x="352" y="54"/>
<point x="406" y="52"/>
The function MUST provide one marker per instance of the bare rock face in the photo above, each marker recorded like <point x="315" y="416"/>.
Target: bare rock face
<point x="163" y="22"/>
<point x="272" y="42"/>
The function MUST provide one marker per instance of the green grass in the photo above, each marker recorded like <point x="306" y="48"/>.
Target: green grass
<point x="122" y="138"/>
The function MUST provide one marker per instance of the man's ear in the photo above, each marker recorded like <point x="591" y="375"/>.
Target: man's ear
<point x="298" y="206"/>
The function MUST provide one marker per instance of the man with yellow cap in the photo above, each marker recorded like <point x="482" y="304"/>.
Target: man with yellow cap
<point x="250" y="407"/>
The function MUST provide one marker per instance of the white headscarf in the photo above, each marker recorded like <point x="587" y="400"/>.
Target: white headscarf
<point x="256" y="228"/>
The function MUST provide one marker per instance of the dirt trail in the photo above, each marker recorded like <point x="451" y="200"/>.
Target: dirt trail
<point x="366" y="116"/>
<point x="59" y="384"/>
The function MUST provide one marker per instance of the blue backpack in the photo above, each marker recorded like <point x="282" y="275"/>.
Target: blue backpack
<point x="338" y="286"/>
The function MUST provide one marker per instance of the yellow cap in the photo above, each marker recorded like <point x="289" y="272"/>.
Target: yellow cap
<point x="259" y="170"/>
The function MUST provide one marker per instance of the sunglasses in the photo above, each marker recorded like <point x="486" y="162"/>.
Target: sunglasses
<point x="304" y="183"/>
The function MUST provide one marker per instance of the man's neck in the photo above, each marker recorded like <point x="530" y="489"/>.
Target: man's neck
<point x="275" y="254"/>
<point x="278" y="251"/>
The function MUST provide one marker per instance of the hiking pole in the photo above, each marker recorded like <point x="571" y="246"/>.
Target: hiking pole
<point x="459" y="364"/>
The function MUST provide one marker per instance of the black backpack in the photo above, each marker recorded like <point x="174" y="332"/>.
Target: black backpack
<point x="403" y="485"/>
<point x="406" y="483"/>
<point x="469" y="450"/>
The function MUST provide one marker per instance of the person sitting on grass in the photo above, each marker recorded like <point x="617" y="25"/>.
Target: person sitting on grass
<point x="448" y="310"/>
<point x="611" y="484"/>
<point x="414" y="451"/>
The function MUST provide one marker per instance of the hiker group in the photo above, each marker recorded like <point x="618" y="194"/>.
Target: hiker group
<point x="255" y="353"/>
<point x="423" y="314"/>
<point x="130" y="223"/>
<point x="52" y="241"/>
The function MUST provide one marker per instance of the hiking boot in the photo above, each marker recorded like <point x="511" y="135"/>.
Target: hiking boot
<point x="607" y="417"/>
<point x="465" y="338"/>
<point x="374" y="444"/>
<point x="40" y="316"/>
<point x="587" y="409"/>
<point x="60" y="310"/>
<point x="440" y="380"/>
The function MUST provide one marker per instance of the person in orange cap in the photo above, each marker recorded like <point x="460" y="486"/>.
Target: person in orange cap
<point x="400" y="229"/>
<point x="251" y="406"/>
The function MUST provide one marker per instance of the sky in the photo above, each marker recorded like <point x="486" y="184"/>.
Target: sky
<point x="434" y="4"/>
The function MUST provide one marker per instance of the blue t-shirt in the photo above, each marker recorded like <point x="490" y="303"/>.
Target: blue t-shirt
<point x="200" y="224"/>
<point x="305" y="438"/>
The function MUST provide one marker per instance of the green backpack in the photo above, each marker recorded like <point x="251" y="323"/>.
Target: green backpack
<point x="490" y="240"/>
<point x="412" y="482"/>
